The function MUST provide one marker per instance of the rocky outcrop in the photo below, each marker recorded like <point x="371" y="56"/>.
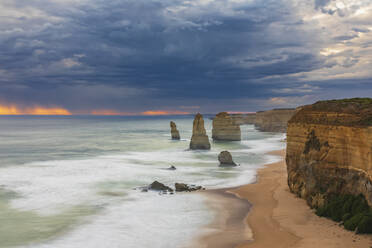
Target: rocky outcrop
<point x="199" y="139"/>
<point x="225" y="128"/>
<point x="225" y="159"/>
<point x="183" y="187"/>
<point x="172" y="167"/>
<point x="174" y="132"/>
<point x="159" y="187"/>
<point x="329" y="150"/>
<point x="273" y="120"/>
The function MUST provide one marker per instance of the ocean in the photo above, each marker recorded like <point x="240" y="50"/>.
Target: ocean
<point x="70" y="181"/>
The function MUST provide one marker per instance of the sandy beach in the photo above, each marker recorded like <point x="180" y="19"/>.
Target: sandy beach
<point x="266" y="214"/>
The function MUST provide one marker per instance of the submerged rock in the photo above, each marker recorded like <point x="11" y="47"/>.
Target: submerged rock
<point x="199" y="139"/>
<point x="183" y="187"/>
<point x="159" y="187"/>
<point x="172" y="168"/>
<point x="225" y="159"/>
<point x="163" y="189"/>
<point x="225" y="128"/>
<point x="174" y="132"/>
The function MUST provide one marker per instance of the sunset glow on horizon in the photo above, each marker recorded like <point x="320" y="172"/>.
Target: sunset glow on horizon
<point x="13" y="109"/>
<point x="164" y="112"/>
<point x="144" y="113"/>
<point x="111" y="112"/>
<point x="35" y="110"/>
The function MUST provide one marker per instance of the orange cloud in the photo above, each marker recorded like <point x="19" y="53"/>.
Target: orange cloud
<point x="146" y="113"/>
<point x="36" y="110"/>
<point x="164" y="112"/>
<point x="110" y="112"/>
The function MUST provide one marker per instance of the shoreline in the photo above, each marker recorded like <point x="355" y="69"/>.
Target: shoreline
<point x="230" y="209"/>
<point x="265" y="214"/>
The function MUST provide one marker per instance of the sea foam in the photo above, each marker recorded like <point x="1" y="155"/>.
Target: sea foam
<point x="127" y="217"/>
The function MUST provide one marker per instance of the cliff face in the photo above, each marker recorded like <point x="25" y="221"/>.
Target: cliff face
<point x="225" y="128"/>
<point x="329" y="150"/>
<point x="174" y="132"/>
<point x="273" y="120"/>
<point x="244" y="119"/>
<point x="199" y="139"/>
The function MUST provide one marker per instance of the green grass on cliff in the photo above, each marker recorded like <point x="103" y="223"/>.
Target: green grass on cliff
<point x="353" y="112"/>
<point x="362" y="101"/>
<point x="353" y="211"/>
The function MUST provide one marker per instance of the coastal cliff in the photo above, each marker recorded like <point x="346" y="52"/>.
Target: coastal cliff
<point x="199" y="139"/>
<point x="273" y="120"/>
<point x="225" y="128"/>
<point x="329" y="150"/>
<point x="244" y="119"/>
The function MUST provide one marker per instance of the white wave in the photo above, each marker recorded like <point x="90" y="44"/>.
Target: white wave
<point x="149" y="220"/>
<point x="134" y="219"/>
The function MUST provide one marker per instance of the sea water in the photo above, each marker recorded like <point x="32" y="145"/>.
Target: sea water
<point x="71" y="181"/>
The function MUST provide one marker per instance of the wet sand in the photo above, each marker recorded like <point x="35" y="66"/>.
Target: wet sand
<point x="265" y="214"/>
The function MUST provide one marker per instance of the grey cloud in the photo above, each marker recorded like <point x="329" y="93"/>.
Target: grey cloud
<point x="94" y="53"/>
<point x="345" y="37"/>
<point x="361" y="30"/>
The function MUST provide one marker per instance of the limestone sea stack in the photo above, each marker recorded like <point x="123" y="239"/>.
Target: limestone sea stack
<point x="225" y="159"/>
<point x="225" y="128"/>
<point x="174" y="132"/>
<point x="199" y="139"/>
<point x="329" y="150"/>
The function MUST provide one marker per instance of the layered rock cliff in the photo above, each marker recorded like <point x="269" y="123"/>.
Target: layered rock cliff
<point x="199" y="139"/>
<point x="244" y="119"/>
<point x="273" y="120"/>
<point x="225" y="128"/>
<point x="329" y="150"/>
<point x="174" y="132"/>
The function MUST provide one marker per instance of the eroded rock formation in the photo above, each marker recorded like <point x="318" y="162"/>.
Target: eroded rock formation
<point x="225" y="128"/>
<point x="199" y="139"/>
<point x="174" y="132"/>
<point x="159" y="187"/>
<point x="183" y="187"/>
<point x="244" y="119"/>
<point x="226" y="159"/>
<point x="273" y="120"/>
<point x="329" y="150"/>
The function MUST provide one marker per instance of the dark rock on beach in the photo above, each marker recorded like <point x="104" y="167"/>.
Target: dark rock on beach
<point x="159" y="187"/>
<point x="163" y="189"/>
<point x="182" y="187"/>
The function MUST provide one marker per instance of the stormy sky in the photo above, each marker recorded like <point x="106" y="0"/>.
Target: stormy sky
<point x="131" y="56"/>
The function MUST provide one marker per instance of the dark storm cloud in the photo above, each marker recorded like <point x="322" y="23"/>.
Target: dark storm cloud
<point x="138" y="54"/>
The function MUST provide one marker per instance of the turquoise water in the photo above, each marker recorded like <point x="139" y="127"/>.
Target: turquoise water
<point x="69" y="181"/>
